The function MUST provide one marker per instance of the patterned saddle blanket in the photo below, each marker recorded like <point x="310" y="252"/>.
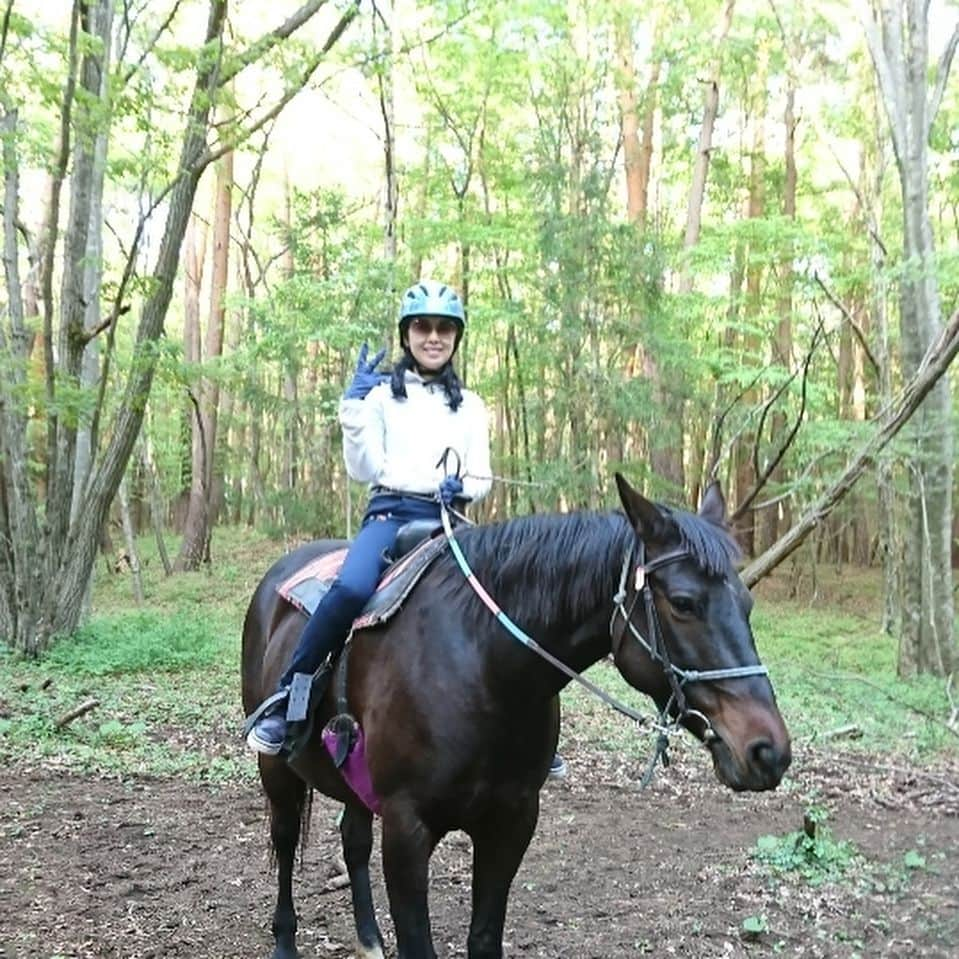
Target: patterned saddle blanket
<point x="309" y="584"/>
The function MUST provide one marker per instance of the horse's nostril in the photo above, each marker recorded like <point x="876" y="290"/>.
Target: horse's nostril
<point x="763" y="753"/>
<point x="767" y="756"/>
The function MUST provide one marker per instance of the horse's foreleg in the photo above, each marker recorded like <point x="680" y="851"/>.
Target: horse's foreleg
<point x="407" y="845"/>
<point x="287" y="794"/>
<point x="356" y="831"/>
<point x="498" y="849"/>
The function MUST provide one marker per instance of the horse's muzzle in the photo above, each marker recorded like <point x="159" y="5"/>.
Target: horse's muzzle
<point x="759" y="766"/>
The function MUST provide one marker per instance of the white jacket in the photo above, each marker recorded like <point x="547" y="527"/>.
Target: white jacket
<point x="397" y="443"/>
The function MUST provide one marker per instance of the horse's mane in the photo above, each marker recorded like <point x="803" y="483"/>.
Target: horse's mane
<point x="548" y="569"/>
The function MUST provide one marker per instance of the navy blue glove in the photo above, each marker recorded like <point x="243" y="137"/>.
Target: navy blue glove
<point x="450" y="489"/>
<point x="366" y="375"/>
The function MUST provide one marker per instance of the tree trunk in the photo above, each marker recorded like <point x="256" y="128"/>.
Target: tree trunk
<point x="697" y="190"/>
<point x="747" y="449"/>
<point x="387" y="110"/>
<point x="79" y="558"/>
<point x="21" y="557"/>
<point x="195" y="546"/>
<point x="626" y="83"/>
<point x="666" y="441"/>
<point x="899" y="45"/>
<point x="156" y="503"/>
<point x="101" y="25"/>
<point x="129" y="539"/>
<point x="777" y="517"/>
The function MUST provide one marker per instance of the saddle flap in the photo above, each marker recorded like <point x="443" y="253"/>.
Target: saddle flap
<point x="398" y="582"/>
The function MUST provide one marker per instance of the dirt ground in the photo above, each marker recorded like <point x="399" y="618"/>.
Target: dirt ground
<point x="94" y="867"/>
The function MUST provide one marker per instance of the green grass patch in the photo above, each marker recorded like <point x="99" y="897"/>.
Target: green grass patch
<point x="136" y="642"/>
<point x="835" y="676"/>
<point x="165" y="676"/>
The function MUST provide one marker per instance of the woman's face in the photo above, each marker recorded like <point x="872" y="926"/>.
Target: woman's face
<point x="431" y="340"/>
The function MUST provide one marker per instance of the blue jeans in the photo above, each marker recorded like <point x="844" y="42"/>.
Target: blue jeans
<point x="328" y="627"/>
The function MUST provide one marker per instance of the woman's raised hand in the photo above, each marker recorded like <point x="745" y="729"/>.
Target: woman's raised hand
<point x="366" y="375"/>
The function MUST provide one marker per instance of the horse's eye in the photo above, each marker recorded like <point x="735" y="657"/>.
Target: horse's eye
<point x="684" y="605"/>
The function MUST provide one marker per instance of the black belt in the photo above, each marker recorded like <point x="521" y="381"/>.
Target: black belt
<point x="389" y="491"/>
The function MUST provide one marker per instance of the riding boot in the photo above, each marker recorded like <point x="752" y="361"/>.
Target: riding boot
<point x="267" y="727"/>
<point x="283" y="720"/>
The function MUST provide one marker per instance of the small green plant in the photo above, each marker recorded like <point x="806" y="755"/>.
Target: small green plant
<point x="811" y="853"/>
<point x="116" y="733"/>
<point x="754" y="927"/>
<point x="914" y="860"/>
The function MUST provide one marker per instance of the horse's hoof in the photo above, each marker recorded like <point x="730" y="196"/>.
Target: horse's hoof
<point x="369" y="952"/>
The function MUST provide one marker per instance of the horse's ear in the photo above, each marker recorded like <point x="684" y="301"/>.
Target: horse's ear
<point x="713" y="506"/>
<point x="644" y="516"/>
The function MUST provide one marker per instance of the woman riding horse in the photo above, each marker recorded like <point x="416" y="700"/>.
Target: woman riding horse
<point x="395" y="431"/>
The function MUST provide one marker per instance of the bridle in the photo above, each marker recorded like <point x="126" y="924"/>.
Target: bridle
<point x="655" y="646"/>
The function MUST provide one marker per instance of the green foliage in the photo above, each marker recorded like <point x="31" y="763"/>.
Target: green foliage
<point x="143" y="641"/>
<point x="811" y="854"/>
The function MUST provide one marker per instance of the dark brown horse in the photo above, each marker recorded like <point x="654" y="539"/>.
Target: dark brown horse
<point x="461" y="720"/>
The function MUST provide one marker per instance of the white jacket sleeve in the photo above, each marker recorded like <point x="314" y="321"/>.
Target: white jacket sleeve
<point x="476" y="468"/>
<point x="364" y="448"/>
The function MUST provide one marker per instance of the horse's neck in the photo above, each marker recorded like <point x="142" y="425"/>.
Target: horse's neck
<point x="563" y="601"/>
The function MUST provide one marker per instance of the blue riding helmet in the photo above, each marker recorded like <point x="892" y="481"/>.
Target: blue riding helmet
<point x="429" y="298"/>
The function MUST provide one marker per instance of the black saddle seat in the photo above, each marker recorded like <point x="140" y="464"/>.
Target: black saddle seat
<point x="410" y="536"/>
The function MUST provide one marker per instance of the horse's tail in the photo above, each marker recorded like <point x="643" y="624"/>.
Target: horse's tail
<point x="303" y="833"/>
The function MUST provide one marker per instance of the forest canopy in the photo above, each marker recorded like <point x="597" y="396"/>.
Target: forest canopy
<point x="696" y="240"/>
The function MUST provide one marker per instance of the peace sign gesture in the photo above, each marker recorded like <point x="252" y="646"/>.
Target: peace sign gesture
<point x="366" y="376"/>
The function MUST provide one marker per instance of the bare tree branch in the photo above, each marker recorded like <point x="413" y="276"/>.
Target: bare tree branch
<point x="942" y="76"/>
<point x="762" y="479"/>
<point x="70" y="715"/>
<point x="893" y="418"/>
<point x="717" y="430"/>
<point x="5" y="28"/>
<point x="848" y="317"/>
<point x="268" y="41"/>
<point x="149" y="46"/>
<point x="311" y="67"/>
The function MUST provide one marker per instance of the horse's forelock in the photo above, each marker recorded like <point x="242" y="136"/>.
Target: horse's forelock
<point x="712" y="547"/>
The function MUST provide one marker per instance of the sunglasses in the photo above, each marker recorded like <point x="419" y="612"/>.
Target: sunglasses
<point x="424" y="326"/>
